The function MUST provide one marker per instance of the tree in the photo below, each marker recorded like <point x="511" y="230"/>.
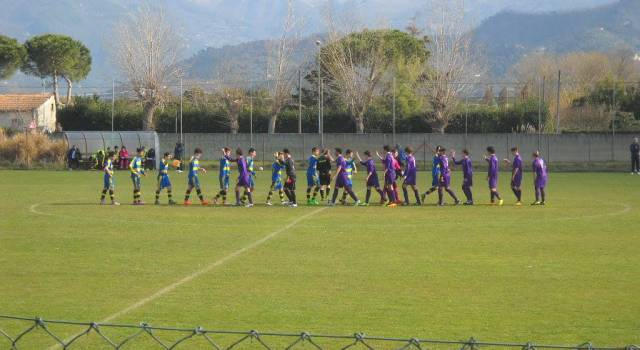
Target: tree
<point x="454" y="67"/>
<point x="147" y="50"/>
<point x="279" y="72"/>
<point x="12" y="56"/>
<point x="354" y="65"/>
<point x="55" y="56"/>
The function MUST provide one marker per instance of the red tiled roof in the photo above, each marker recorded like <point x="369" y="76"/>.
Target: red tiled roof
<point x="22" y="102"/>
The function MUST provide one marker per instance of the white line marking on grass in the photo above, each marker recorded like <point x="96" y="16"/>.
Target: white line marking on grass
<point x="200" y="272"/>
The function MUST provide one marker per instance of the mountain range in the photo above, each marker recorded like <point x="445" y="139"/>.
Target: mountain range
<point x="221" y="27"/>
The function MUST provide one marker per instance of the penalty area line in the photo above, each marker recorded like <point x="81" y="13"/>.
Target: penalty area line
<point x="196" y="274"/>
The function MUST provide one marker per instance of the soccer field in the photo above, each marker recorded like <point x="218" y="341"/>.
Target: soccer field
<point x="565" y="273"/>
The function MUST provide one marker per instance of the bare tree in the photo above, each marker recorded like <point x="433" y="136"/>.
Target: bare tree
<point x="147" y="50"/>
<point x="231" y="95"/>
<point x="279" y="70"/>
<point x="454" y="66"/>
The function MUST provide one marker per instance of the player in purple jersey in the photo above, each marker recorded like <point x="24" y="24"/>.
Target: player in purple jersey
<point x="516" y="174"/>
<point x="492" y="175"/>
<point x="410" y="177"/>
<point x="342" y="180"/>
<point x="445" y="178"/>
<point x="389" y="175"/>
<point x="539" y="178"/>
<point x="244" y="180"/>
<point x="372" y="180"/>
<point x="467" y="174"/>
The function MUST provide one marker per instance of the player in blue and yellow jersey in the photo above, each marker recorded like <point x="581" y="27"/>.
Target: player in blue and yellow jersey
<point x="163" y="179"/>
<point x="276" y="178"/>
<point x="223" y="176"/>
<point x="351" y="170"/>
<point x="137" y="171"/>
<point x="252" y="173"/>
<point x="313" y="179"/>
<point x="194" y="180"/>
<point x="109" y="185"/>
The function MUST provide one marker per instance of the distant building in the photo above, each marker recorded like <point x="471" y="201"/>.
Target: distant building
<point x="34" y="111"/>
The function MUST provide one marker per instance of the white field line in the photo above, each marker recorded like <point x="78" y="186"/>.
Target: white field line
<point x="200" y="272"/>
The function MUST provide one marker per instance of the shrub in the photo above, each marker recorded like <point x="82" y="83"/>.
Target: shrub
<point x="24" y="150"/>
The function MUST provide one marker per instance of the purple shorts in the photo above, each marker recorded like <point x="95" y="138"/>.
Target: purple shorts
<point x="243" y="181"/>
<point x="373" y="182"/>
<point x="389" y="178"/>
<point x="493" y="182"/>
<point x="445" y="180"/>
<point x="342" y="181"/>
<point x="467" y="182"/>
<point x="517" y="181"/>
<point x="410" y="180"/>
<point x="541" y="183"/>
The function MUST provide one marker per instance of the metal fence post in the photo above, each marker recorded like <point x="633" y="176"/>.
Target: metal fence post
<point x="558" y="104"/>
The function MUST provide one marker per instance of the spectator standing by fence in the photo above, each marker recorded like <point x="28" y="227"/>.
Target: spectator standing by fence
<point x="178" y="153"/>
<point x="123" y="158"/>
<point x="73" y="158"/>
<point x="635" y="157"/>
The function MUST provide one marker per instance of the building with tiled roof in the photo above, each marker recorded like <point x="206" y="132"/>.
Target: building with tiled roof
<point x="20" y="111"/>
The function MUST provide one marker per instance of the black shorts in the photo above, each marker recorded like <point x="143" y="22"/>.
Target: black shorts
<point x="325" y="179"/>
<point x="290" y="184"/>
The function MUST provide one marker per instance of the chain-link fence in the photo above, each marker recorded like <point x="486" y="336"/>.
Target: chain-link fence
<point x="37" y="333"/>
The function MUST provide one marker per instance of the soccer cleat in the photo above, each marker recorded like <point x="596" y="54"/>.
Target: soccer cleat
<point x="457" y="202"/>
<point x="501" y="202"/>
<point x="392" y="205"/>
<point x="103" y="202"/>
<point x="179" y="171"/>
<point x="285" y="203"/>
<point x="157" y="202"/>
<point x="468" y="203"/>
<point x="543" y="203"/>
<point x="356" y="204"/>
<point x="172" y="202"/>
<point x="249" y="205"/>
<point x="205" y="202"/>
<point x="187" y="202"/>
<point x="535" y="203"/>
<point x="331" y="204"/>
<point x="294" y="205"/>
<point x="518" y="204"/>
<point x="309" y="201"/>
<point x="364" y="204"/>
<point x="269" y="204"/>
<point x="215" y="201"/>
<point x="315" y="201"/>
<point x="114" y="203"/>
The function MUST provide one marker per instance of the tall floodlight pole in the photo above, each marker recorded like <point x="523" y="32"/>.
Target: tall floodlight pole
<point x="251" y="114"/>
<point x="113" y="101"/>
<point x="299" y="101"/>
<point x="558" y="104"/>
<point x="394" y="111"/>
<point x="320" y="131"/>
<point x="181" y="94"/>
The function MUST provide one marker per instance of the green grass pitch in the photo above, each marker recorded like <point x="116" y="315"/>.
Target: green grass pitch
<point x="565" y="273"/>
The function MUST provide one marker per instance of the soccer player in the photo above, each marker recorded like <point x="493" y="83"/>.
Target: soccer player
<point x="313" y="181"/>
<point x="223" y="176"/>
<point x="539" y="178"/>
<point x="410" y="177"/>
<point x="435" y="173"/>
<point x="342" y="179"/>
<point x="290" y="183"/>
<point x="137" y="171"/>
<point x="634" y="148"/>
<point x="109" y="184"/>
<point x="397" y="166"/>
<point x="516" y="174"/>
<point x="467" y="174"/>
<point x="389" y="175"/>
<point x="445" y="178"/>
<point x="492" y="175"/>
<point x="194" y="180"/>
<point x="351" y="169"/>
<point x="276" y="178"/>
<point x="372" y="180"/>
<point x="244" y="179"/>
<point x="252" y="174"/>
<point x="163" y="179"/>
<point x="324" y="173"/>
